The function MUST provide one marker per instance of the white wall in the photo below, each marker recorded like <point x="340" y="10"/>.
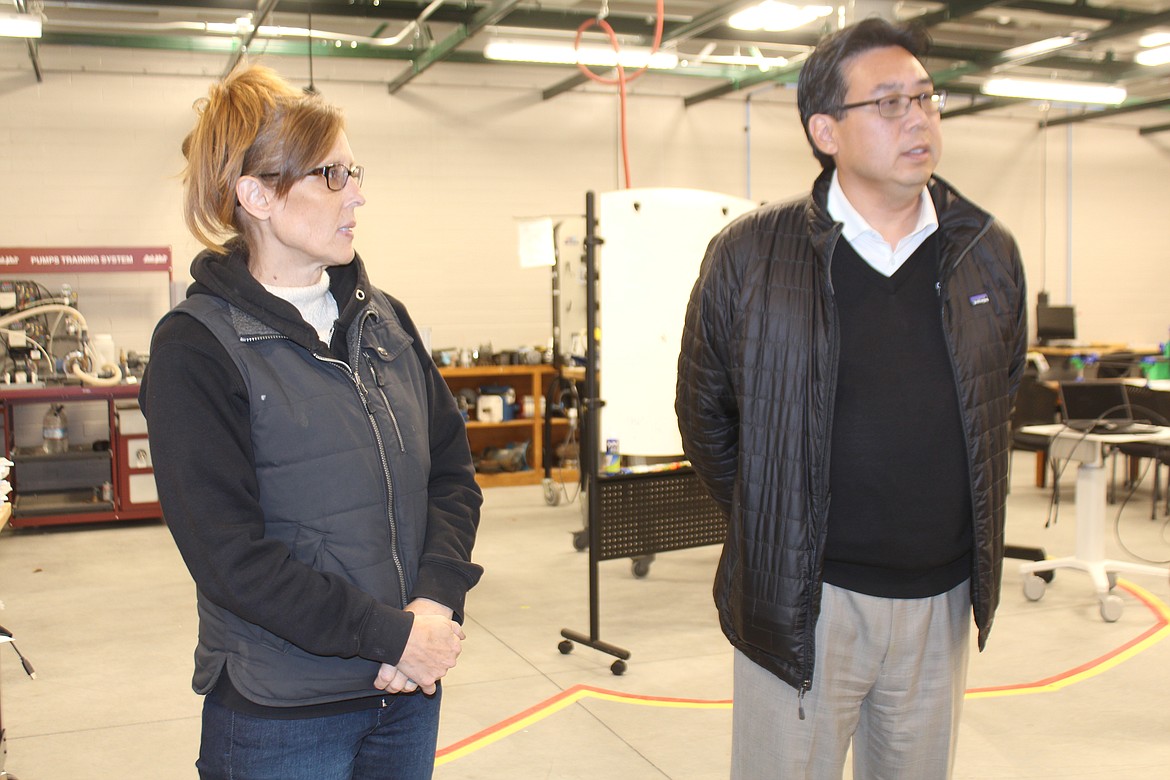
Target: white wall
<point x="91" y="156"/>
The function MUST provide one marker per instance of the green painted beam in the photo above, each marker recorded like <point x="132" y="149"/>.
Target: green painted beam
<point x="785" y="75"/>
<point x="268" y="46"/>
<point x="1153" y="129"/>
<point x="444" y="48"/>
<point x="1127" y="108"/>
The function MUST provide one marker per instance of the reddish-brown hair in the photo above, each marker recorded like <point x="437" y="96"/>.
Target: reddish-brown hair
<point x="251" y="123"/>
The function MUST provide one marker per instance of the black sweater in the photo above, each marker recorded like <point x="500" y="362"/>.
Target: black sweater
<point x="900" y="515"/>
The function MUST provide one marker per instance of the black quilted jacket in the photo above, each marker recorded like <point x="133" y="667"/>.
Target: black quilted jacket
<point x="756" y="379"/>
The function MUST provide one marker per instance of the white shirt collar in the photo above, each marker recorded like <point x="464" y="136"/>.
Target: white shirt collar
<point x="867" y="242"/>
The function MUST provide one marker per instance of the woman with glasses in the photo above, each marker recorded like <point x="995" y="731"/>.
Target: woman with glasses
<point x="312" y="466"/>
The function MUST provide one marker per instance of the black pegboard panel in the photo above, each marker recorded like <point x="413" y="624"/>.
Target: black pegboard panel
<point x="643" y="514"/>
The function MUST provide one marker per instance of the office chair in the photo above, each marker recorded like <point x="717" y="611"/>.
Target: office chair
<point x="1153" y="405"/>
<point x="1036" y="404"/>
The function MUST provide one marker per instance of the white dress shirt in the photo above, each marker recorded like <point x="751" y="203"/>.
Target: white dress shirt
<point x="869" y="243"/>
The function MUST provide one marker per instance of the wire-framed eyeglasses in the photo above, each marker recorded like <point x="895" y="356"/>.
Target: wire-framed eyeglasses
<point x="895" y="106"/>
<point x="336" y="175"/>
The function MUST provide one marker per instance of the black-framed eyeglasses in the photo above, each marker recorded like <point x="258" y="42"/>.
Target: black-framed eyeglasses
<point x="336" y="175"/>
<point x="894" y="106"/>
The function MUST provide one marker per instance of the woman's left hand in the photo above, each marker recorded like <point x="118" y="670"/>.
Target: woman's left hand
<point x="389" y="678"/>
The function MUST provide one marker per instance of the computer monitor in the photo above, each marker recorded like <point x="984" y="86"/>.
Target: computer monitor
<point x="1055" y="323"/>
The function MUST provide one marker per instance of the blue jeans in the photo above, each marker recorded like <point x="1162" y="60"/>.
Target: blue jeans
<point x="397" y="741"/>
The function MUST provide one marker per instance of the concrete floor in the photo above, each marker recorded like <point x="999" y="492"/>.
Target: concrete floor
<point x="106" y="614"/>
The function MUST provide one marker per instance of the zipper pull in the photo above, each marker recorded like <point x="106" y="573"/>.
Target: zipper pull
<point x="800" y="698"/>
<point x="363" y="391"/>
<point x="377" y="377"/>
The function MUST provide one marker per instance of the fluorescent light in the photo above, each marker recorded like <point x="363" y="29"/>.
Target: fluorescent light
<point x="775" y="16"/>
<point x="1036" y="48"/>
<point x="587" y="54"/>
<point x="14" y="25"/>
<point x="749" y="60"/>
<point x="1154" y="39"/>
<point x="1151" y="57"/>
<point x="1059" y="91"/>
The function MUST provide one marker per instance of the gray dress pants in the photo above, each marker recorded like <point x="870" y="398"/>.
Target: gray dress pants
<point x="889" y="678"/>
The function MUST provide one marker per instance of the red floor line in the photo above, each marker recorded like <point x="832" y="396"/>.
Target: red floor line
<point x="1161" y="622"/>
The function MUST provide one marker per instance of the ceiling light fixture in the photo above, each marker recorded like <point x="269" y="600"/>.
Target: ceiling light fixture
<point x="512" y="50"/>
<point x="16" y="25"/>
<point x="1154" y="39"/>
<point x="1152" y="57"/>
<point x="1037" y="48"/>
<point x="746" y="60"/>
<point x="1057" y="91"/>
<point x="774" y="16"/>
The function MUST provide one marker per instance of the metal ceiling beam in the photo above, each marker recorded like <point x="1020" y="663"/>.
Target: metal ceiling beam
<point x="445" y="47"/>
<point x="1133" y="23"/>
<point x="1108" y="112"/>
<point x="979" y="107"/>
<point x="952" y="11"/>
<point x="1108" y="70"/>
<point x="275" y="47"/>
<point x="1153" y="129"/>
<point x="1079" y="10"/>
<point x="263" y="8"/>
<point x="1020" y="55"/>
<point x="949" y="12"/>
<point x="33" y="55"/>
<point x="788" y="73"/>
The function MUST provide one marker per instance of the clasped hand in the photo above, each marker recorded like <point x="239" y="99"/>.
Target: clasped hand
<point x="431" y="650"/>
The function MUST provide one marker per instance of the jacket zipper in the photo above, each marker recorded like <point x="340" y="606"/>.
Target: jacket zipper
<point x="363" y="395"/>
<point x="822" y="522"/>
<point x="942" y="309"/>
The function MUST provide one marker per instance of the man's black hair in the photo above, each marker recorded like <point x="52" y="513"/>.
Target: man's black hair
<point x="821" y="88"/>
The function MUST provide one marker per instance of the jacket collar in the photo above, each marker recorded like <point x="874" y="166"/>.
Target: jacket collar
<point x="960" y="221"/>
<point x="227" y="277"/>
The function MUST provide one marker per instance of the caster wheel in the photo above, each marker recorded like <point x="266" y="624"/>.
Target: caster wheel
<point x="640" y="567"/>
<point x="618" y="667"/>
<point x="552" y="493"/>
<point x="1112" y="577"/>
<point x="1111" y="607"/>
<point x="580" y="541"/>
<point x="565" y="647"/>
<point x="1034" y="587"/>
<point x="1046" y="575"/>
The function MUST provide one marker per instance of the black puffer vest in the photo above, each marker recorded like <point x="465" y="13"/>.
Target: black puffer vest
<point x="313" y="415"/>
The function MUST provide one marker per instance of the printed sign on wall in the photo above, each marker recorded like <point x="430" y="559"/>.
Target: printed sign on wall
<point x="31" y="260"/>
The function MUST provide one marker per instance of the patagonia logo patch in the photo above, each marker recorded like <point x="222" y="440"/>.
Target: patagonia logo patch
<point x="981" y="298"/>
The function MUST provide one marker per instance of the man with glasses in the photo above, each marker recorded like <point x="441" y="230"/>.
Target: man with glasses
<point x="845" y="379"/>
